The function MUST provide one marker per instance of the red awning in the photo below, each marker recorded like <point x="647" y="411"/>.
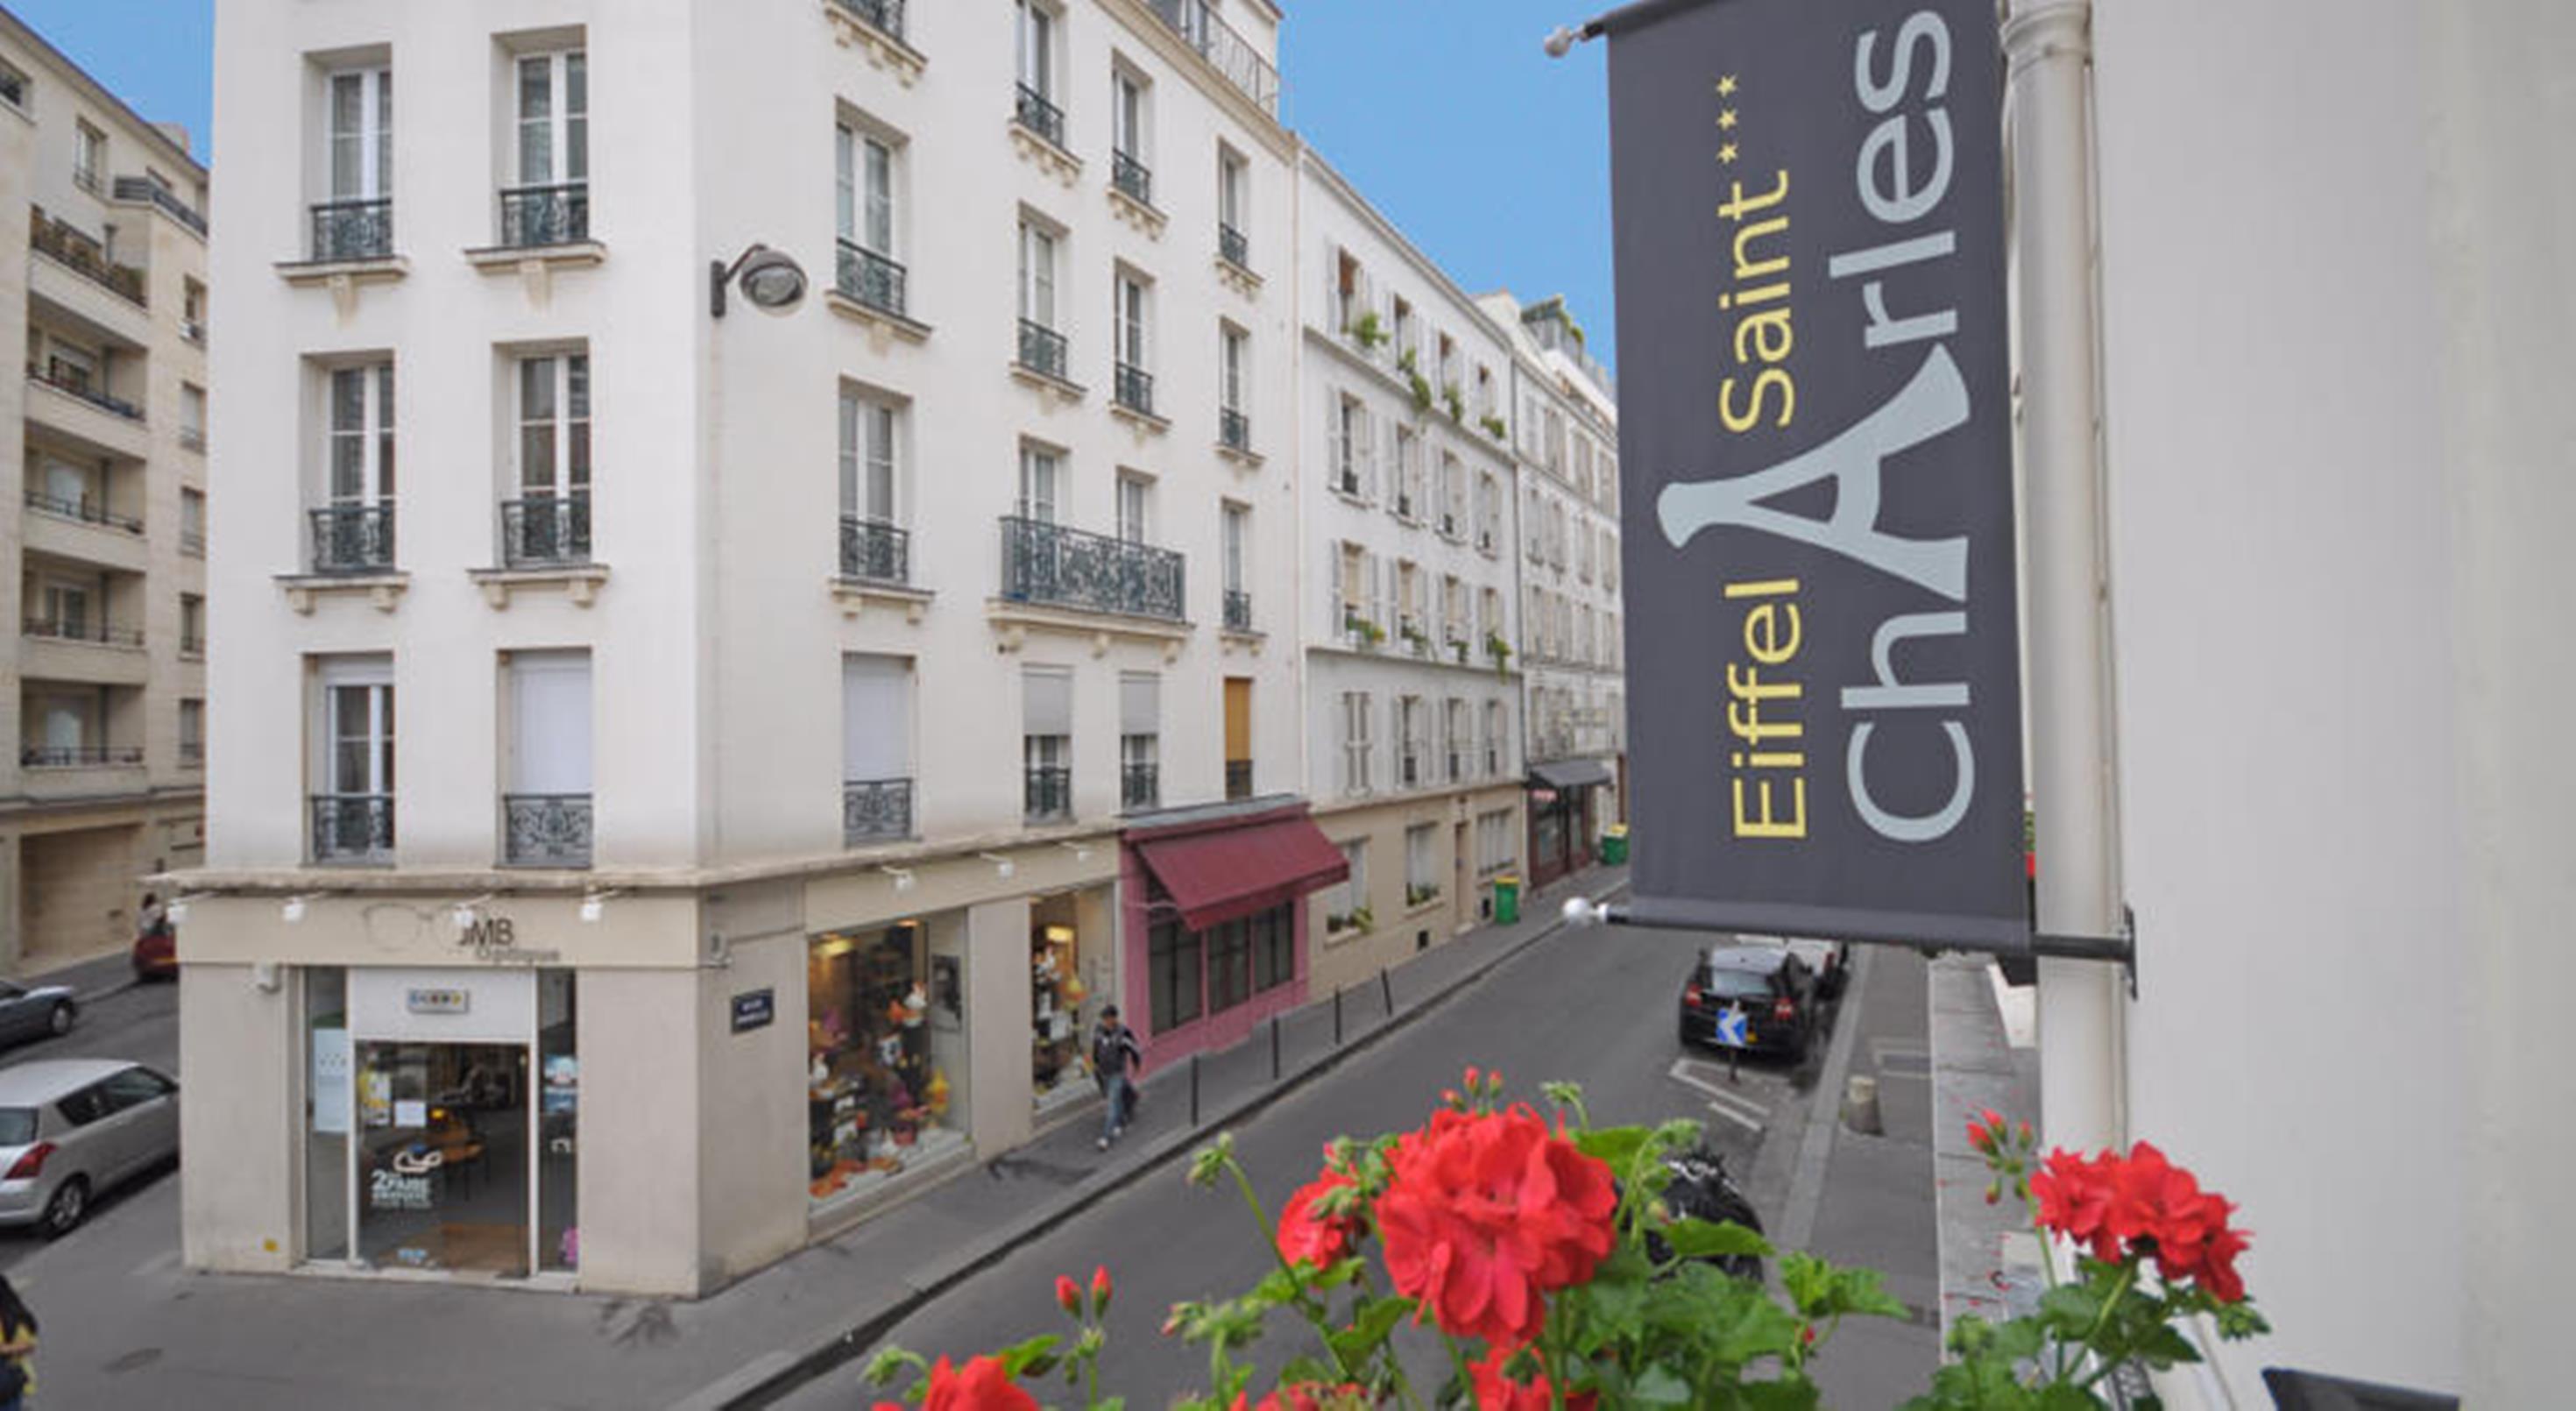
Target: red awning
<point x="1229" y="873"/>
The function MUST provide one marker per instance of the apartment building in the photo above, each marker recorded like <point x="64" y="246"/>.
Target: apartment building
<point x="1565" y="438"/>
<point x="1411" y="703"/>
<point x="103" y="479"/>
<point x="792" y="401"/>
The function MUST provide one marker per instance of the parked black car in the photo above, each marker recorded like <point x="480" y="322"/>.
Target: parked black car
<point x="1770" y="983"/>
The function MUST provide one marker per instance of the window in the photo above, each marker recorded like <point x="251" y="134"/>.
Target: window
<point x="64" y="608"/>
<point x="1042" y="349"/>
<point x="1274" y="947"/>
<point x="1421" y="864"/>
<point x="1494" y="841"/>
<point x="353" y="814"/>
<point x="89" y="154"/>
<point x="1349" y="297"/>
<point x="1132" y="493"/>
<point x="1039" y="478"/>
<point x="1233" y="207"/>
<point x="356" y="528"/>
<point x="1489" y="502"/>
<point x="1355" y="742"/>
<point x="1448" y="364"/>
<point x="1238" y="737"/>
<point x="1489" y="614"/>
<point x="1229" y="963"/>
<point x="867" y="267"/>
<point x="1135" y="386"/>
<point x="1233" y="350"/>
<point x="1037" y="48"/>
<point x="192" y="625"/>
<point x="549" y="203"/>
<point x="550" y="523"/>
<point x="1343" y="905"/>
<point x="1408" y="741"/>
<point x="1404" y="329"/>
<point x="357" y="221"/>
<point x="1232" y="534"/>
<point x="1534" y="526"/>
<point x="1047" y="742"/>
<point x="13" y="85"/>
<point x="192" y="733"/>
<point x="192" y="416"/>
<point x="1453" y="496"/>
<point x="192" y="522"/>
<point x="1130" y="161"/>
<point x="1408" y="474"/>
<point x="1457" y="738"/>
<point x="1140" y="728"/>
<point x="1484" y="391"/>
<point x="1609" y="560"/>
<point x="545" y="794"/>
<point x="870" y="426"/>
<point x="876" y="747"/>
<point x="1350" y="445"/>
<point x="1173" y="958"/>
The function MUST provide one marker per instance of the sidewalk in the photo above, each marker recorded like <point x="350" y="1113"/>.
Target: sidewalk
<point x="125" y="1325"/>
<point x="1989" y="1258"/>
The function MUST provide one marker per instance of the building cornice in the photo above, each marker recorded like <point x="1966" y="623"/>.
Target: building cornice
<point x="1142" y="22"/>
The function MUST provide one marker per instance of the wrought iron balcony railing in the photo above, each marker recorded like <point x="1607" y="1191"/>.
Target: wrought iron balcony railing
<point x="140" y="188"/>
<point x="1196" y="22"/>
<point x="1042" y="349"/>
<point x="1051" y="564"/>
<point x="79" y="756"/>
<point x="352" y="827"/>
<point x="875" y="810"/>
<point x="545" y="215"/>
<point x="1134" y="389"/>
<point x="98" y="634"/>
<point x="870" y="278"/>
<point x="1040" y="116"/>
<point x="885" y="16"/>
<point x="354" y="230"/>
<point x="1047" y="792"/>
<point x="73" y="384"/>
<point x="1238" y="778"/>
<point x="545" y="830"/>
<point x="353" y="538"/>
<point x="1233" y="429"/>
<point x="86" y="257"/>
<point x="546" y="531"/>
<point x="1232" y="247"/>
<point x="875" y="552"/>
<point x="84" y="509"/>
<point x="1139" y="786"/>
<point x="1238" y="610"/>
<point x="1131" y="177"/>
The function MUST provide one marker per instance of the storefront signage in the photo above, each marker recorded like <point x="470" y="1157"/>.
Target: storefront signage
<point x="494" y="941"/>
<point x="330" y="1087"/>
<point x="1815" y="431"/>
<point x="389" y="1189"/>
<point x="438" y="1001"/>
<point x="754" y="1010"/>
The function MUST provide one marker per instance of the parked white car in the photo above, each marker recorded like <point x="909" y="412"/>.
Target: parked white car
<point x="71" y="1128"/>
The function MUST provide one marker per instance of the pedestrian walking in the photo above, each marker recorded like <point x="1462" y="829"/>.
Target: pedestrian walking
<point x="17" y="1350"/>
<point x="154" y="919"/>
<point x="1115" y="1054"/>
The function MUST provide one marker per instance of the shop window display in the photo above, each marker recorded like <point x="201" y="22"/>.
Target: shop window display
<point x="1056" y="995"/>
<point x="876" y="1098"/>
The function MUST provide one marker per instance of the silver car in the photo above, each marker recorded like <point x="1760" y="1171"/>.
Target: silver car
<point x="71" y="1128"/>
<point x="27" y="1013"/>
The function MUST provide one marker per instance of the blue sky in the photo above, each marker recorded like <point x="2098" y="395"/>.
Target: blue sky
<point x="1490" y="156"/>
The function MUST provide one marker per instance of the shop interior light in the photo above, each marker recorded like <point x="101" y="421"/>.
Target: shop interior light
<point x="1057" y="935"/>
<point x="595" y="903"/>
<point x="902" y="877"/>
<point x="1001" y="864"/>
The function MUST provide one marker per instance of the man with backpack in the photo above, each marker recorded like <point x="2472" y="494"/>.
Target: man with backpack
<point x="1115" y="1054"/>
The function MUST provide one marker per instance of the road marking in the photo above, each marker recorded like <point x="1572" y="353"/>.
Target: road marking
<point x="1723" y="1100"/>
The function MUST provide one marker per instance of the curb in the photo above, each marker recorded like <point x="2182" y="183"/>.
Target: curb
<point x="765" y="1379"/>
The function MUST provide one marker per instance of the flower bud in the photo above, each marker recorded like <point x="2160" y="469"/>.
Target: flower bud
<point x="1471" y="1077"/>
<point x="1067" y="1296"/>
<point x="1994" y="1192"/>
<point x="1100" y="1291"/>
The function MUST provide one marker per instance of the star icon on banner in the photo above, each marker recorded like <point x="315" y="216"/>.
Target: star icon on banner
<point x="1726" y="86"/>
<point x="1726" y="119"/>
<point x="1726" y="152"/>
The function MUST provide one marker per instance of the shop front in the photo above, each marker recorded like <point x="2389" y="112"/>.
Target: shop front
<point x="1059" y="1003"/>
<point x="885" y="1026"/>
<point x="1215" y="912"/>
<point x="1563" y="818"/>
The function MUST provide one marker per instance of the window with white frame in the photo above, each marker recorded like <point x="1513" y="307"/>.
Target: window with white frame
<point x="1131" y="321"/>
<point x="1134" y="493"/>
<point x="871" y="439"/>
<point x="876" y="747"/>
<point x="192" y="733"/>
<point x="1489" y="510"/>
<point x="1041" y="476"/>
<point x="1037" y="275"/>
<point x="1453" y="496"/>
<point x="1233" y="206"/>
<point x="15" y="88"/>
<point x="1457" y="739"/>
<point x="356" y="530"/>
<point x="1344" y="904"/>
<point x="1131" y="123"/>
<point x="865" y="180"/>
<point x="1234" y="358"/>
<point x="1489" y="614"/>
<point x="1352" y="588"/>
<point x="1497" y="719"/>
<point x="89" y="154"/>
<point x="548" y="202"/>
<point x="545" y="791"/>
<point x="554" y="453"/>
<point x="1411" y="769"/>
<point x="1047" y="742"/>
<point x="1421" y="864"/>
<point x="192" y="416"/>
<point x="352" y="817"/>
<point x="1350" y="446"/>
<point x="1356" y="744"/>
<point x="1140" y="731"/>
<point x="1494" y="850"/>
<point x="192" y="522"/>
<point x="1408" y="474"/>
<point x="1037" y="47"/>
<point x="359" y="132"/>
<point x="1234" y="531"/>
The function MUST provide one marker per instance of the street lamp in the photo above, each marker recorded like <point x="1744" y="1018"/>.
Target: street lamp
<point x="770" y="279"/>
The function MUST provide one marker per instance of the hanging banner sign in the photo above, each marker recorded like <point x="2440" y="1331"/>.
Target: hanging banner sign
<point x="1815" y="429"/>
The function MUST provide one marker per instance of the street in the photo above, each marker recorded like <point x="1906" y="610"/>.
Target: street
<point x="1593" y="1005"/>
<point x="138" y="1022"/>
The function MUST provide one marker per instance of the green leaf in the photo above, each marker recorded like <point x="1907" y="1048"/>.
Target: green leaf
<point x="1615" y="1146"/>
<point x="1701" y="1239"/>
<point x="1210" y="1161"/>
<point x="882" y="1367"/>
<point x="2070" y="1309"/>
<point x="1022" y="1357"/>
<point x="2065" y="1396"/>
<point x="1659" y="1386"/>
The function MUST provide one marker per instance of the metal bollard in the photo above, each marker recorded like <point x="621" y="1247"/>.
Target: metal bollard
<point x="1337" y="1016"/>
<point x="1194" y="1091"/>
<point x="1386" y="986"/>
<point x="1274" y="1048"/>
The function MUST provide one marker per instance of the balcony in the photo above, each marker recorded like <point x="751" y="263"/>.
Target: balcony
<point x="192" y="754"/>
<point x="1233" y="430"/>
<point x="537" y="216"/>
<point x="139" y="188"/>
<point x="884" y="16"/>
<point x="1238" y="779"/>
<point x="1056" y="566"/>
<point x="1040" y="116"/>
<point x="80" y="756"/>
<point x="545" y="830"/>
<point x="96" y="634"/>
<point x="1140" y="787"/>
<point x="192" y="438"/>
<point x="85" y="510"/>
<point x="352" y="827"/>
<point x="1133" y="179"/>
<point x="345" y="231"/>
<point x="1133" y="388"/>
<point x="546" y="531"/>
<point x="875" y="810"/>
<point x="1047" y="793"/>
<point x="1042" y="350"/>
<point x="353" y="539"/>
<point x="86" y="257"/>
<point x="1238" y="610"/>
<point x="873" y="552"/>
<point x="1231" y="247"/>
<point x="64" y="379"/>
<point x="192" y="542"/>
<point x="870" y="279"/>
<point x="1234" y="59"/>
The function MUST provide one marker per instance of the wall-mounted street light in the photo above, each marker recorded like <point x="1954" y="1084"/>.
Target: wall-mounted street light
<point x="770" y="279"/>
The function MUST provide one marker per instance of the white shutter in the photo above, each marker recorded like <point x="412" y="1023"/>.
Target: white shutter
<point x="876" y="717"/>
<point x="1046" y="701"/>
<point x="1364" y="449"/>
<point x="550" y="722"/>
<point x="1140" y="704"/>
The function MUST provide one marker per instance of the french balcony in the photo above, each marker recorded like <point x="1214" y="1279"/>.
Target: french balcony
<point x="873" y="552"/>
<point x="875" y="810"/>
<point x="1134" y="389"/>
<point x="1140" y="786"/>
<point x="1238" y="779"/>
<point x="1233" y="429"/>
<point x="353" y="539"/>
<point x="545" y="830"/>
<point x="1238" y="610"/>
<point x="1055" y="566"/>
<point x="1042" y="350"/>
<point x="1234" y="58"/>
<point x="353" y="230"/>
<point x="545" y="531"/>
<point x="1040" y="116"/>
<point x="871" y="279"/>
<point x="1047" y="793"/>
<point x="536" y="216"/>
<point x="352" y="827"/>
<point x="84" y="510"/>
<point x="1232" y="247"/>
<point x="1133" y="178"/>
<point x="885" y="16"/>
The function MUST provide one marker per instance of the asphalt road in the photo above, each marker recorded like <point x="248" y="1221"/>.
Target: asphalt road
<point x="1594" y="1005"/>
<point x="137" y="1022"/>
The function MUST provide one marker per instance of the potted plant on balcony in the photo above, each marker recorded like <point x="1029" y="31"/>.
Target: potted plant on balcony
<point x="1457" y="404"/>
<point x="1367" y="331"/>
<point x="1494" y="426"/>
<point x="1414" y="636"/>
<point x="1501" y="652"/>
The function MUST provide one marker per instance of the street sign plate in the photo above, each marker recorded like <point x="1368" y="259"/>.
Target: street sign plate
<point x="1731" y="1028"/>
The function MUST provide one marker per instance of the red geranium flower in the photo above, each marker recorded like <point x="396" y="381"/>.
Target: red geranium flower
<point x="2074" y="1194"/>
<point x="1317" y="1239"/>
<point x="1496" y="1390"/>
<point x="1487" y="1212"/>
<point x="980" y="1385"/>
<point x="1306" y="1396"/>
<point x="1067" y="1296"/>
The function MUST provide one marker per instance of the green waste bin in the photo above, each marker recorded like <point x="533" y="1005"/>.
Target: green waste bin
<point x="1614" y="844"/>
<point x="1507" y="899"/>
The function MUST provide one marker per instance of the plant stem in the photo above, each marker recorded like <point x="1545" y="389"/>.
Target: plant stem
<point x="2128" y="1276"/>
<point x="1315" y="1313"/>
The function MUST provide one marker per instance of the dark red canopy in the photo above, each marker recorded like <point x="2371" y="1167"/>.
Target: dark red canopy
<point x="1222" y="874"/>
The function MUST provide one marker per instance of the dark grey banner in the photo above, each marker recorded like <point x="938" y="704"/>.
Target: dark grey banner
<point x="1814" y="421"/>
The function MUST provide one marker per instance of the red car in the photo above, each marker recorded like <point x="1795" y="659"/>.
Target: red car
<point x="156" y="955"/>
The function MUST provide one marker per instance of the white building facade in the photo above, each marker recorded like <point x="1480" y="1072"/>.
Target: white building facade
<point x="103" y="487"/>
<point x="1407" y="621"/>
<point x="664" y="734"/>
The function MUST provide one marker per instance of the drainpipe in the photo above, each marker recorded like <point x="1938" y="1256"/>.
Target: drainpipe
<point x="2073" y="725"/>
